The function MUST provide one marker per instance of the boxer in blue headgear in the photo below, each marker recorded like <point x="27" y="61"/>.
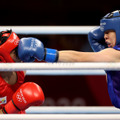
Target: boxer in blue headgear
<point x="105" y="42"/>
<point x="111" y="21"/>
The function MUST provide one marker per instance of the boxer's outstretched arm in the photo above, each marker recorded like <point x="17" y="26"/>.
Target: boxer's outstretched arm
<point x="106" y="55"/>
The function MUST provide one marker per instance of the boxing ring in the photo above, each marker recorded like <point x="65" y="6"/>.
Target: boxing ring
<point x="61" y="113"/>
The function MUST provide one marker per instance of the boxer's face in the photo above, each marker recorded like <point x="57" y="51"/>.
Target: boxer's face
<point x="14" y="56"/>
<point x="110" y="38"/>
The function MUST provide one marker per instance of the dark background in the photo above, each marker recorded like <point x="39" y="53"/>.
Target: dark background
<point x="63" y="90"/>
<point x="55" y="12"/>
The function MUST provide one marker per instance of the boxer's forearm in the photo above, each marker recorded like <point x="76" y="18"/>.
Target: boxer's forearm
<point x="69" y="56"/>
<point x="107" y="55"/>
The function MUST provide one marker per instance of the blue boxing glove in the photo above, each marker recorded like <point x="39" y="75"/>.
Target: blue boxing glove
<point x="31" y="48"/>
<point x="96" y="39"/>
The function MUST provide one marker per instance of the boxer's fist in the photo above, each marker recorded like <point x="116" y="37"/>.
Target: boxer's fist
<point x="29" y="94"/>
<point x="31" y="48"/>
<point x="96" y="39"/>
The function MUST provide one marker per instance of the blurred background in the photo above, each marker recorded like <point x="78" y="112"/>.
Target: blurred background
<point x="63" y="90"/>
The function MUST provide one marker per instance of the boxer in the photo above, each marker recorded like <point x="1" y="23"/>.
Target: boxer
<point x="14" y="98"/>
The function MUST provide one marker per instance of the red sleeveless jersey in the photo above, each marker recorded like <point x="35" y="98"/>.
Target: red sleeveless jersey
<point x="7" y="91"/>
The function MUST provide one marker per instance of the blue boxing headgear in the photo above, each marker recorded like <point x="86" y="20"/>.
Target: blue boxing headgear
<point x="111" y="21"/>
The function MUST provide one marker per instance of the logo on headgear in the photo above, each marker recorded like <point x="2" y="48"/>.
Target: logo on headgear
<point x="16" y="42"/>
<point x="14" y="39"/>
<point x="102" y="26"/>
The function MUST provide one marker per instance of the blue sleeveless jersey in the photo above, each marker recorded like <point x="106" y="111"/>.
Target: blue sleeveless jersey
<point x="113" y="82"/>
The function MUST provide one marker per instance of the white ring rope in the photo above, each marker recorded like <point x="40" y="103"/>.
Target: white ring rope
<point x="49" y="29"/>
<point x="59" y="66"/>
<point x="73" y="110"/>
<point x="66" y="113"/>
<point x="65" y="72"/>
<point x="60" y="117"/>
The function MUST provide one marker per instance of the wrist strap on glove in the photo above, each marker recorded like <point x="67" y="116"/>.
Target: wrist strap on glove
<point x="51" y="55"/>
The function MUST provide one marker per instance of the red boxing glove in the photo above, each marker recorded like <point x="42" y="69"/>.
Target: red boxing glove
<point x="28" y="94"/>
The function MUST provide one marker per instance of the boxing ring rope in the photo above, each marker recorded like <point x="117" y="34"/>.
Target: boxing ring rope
<point x="65" y="72"/>
<point x="42" y="30"/>
<point x="61" y="117"/>
<point x="66" y="113"/>
<point x="60" y="66"/>
<point x="73" y="110"/>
